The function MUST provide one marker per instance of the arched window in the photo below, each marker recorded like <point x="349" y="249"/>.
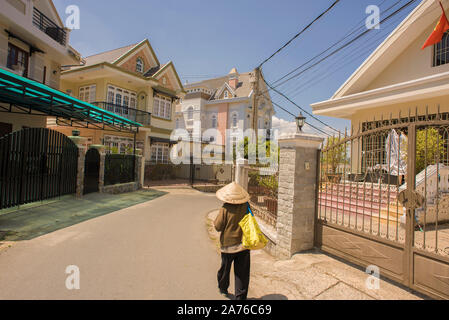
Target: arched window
<point x="214" y="121"/>
<point x="178" y="123"/>
<point x="139" y="65"/>
<point x="190" y="113"/>
<point x="234" y="120"/>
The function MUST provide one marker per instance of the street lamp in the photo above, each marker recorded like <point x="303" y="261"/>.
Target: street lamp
<point x="300" y="121"/>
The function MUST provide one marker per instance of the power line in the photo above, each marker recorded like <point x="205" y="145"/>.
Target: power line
<point x="325" y="58"/>
<point x="338" y="49"/>
<point x="346" y="44"/>
<point x="302" y="109"/>
<point x="339" y="63"/>
<point x="299" y="33"/>
<point x="312" y="126"/>
<point x="354" y="29"/>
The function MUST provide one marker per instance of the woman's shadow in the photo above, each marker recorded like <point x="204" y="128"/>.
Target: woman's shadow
<point x="273" y="296"/>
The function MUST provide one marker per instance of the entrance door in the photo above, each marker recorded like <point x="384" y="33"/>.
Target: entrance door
<point x="92" y="171"/>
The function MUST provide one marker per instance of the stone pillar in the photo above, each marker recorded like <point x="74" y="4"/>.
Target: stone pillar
<point x="80" y="142"/>
<point x="241" y="173"/>
<point x="138" y="171"/>
<point x="297" y="193"/>
<point x="101" y="177"/>
<point x="101" y="150"/>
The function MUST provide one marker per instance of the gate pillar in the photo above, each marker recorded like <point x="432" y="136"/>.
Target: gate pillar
<point x="139" y="171"/>
<point x="80" y="143"/>
<point x="298" y="172"/>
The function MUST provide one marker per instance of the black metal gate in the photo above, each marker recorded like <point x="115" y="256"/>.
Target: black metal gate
<point x="92" y="171"/>
<point x="36" y="164"/>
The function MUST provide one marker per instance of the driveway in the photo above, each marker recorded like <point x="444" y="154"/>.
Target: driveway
<point x="154" y="250"/>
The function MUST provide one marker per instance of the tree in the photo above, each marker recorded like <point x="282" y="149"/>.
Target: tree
<point x="429" y="148"/>
<point x="250" y="150"/>
<point x="335" y="154"/>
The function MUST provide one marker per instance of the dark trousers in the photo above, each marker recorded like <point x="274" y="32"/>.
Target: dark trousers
<point x="241" y="270"/>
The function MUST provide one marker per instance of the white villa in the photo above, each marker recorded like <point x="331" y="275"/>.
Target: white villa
<point x="223" y="103"/>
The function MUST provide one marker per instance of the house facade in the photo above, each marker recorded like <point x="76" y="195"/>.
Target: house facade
<point x="224" y="104"/>
<point x="34" y="44"/>
<point x="398" y="77"/>
<point x="130" y="82"/>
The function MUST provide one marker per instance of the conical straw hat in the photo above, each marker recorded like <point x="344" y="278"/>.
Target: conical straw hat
<point x="233" y="193"/>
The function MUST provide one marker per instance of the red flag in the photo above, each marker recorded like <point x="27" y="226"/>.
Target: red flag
<point x="438" y="32"/>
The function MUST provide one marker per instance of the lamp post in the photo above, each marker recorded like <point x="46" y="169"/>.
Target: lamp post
<point x="300" y="121"/>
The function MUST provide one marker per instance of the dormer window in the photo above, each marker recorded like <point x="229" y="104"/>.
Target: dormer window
<point x="226" y="95"/>
<point x="139" y="65"/>
<point x="441" y="51"/>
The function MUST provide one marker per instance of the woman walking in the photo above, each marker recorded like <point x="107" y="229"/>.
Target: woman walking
<point x="235" y="207"/>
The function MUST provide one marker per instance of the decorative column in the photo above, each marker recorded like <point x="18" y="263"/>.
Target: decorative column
<point x="297" y="193"/>
<point x="80" y="142"/>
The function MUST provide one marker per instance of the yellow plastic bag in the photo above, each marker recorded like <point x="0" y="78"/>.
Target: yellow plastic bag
<point x="253" y="238"/>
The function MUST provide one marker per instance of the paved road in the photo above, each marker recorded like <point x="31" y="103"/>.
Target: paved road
<point x="155" y="250"/>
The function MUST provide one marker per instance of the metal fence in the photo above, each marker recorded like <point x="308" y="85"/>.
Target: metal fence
<point x="132" y="114"/>
<point x="46" y="25"/>
<point x="263" y="189"/>
<point x="119" y="168"/>
<point x="36" y="164"/>
<point x="383" y="199"/>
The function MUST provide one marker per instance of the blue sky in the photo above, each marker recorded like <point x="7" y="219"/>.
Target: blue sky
<point x="208" y="38"/>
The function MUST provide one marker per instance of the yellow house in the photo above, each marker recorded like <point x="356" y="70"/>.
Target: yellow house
<point x="131" y="82"/>
<point x="398" y="77"/>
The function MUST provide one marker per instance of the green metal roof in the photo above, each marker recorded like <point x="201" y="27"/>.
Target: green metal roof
<point x="24" y="93"/>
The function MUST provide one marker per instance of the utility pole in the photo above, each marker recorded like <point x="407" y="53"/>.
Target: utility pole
<point x="255" y="125"/>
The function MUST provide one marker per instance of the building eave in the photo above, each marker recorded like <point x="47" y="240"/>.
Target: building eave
<point x="106" y="65"/>
<point x="423" y="88"/>
<point x="233" y="100"/>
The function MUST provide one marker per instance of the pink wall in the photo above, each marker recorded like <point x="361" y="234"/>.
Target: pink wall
<point x="223" y="120"/>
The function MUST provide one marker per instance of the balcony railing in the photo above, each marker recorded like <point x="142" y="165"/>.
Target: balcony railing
<point x="135" y="115"/>
<point x="46" y="25"/>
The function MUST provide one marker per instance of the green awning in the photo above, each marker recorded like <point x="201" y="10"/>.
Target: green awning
<point x="25" y="96"/>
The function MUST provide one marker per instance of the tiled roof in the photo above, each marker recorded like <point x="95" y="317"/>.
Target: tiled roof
<point x="243" y="88"/>
<point x="108" y="56"/>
